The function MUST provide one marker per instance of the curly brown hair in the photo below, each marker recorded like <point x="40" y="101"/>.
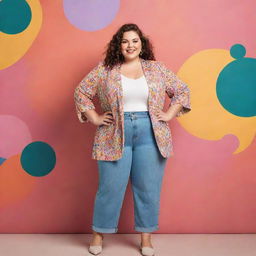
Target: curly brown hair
<point x="113" y="51"/>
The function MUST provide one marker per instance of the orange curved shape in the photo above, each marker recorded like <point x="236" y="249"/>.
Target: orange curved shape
<point x="15" y="183"/>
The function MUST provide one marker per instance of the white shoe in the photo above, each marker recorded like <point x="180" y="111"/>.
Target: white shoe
<point x="147" y="251"/>
<point x="95" y="249"/>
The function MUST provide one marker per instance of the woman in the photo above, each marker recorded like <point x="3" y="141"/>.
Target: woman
<point x="132" y="139"/>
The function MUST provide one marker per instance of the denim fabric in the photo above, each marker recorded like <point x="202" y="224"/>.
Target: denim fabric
<point x="143" y="163"/>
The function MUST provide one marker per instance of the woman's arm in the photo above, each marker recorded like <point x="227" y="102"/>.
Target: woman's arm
<point x="89" y="115"/>
<point x="173" y="110"/>
<point x="177" y="91"/>
<point x="85" y="92"/>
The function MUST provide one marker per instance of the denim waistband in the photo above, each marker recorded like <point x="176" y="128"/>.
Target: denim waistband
<point x="138" y="114"/>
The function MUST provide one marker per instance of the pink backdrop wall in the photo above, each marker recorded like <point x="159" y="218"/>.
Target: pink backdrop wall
<point x="209" y="185"/>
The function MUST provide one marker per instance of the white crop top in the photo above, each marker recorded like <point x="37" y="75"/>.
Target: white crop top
<point x="135" y="93"/>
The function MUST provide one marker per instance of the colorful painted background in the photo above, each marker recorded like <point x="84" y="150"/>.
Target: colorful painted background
<point x="47" y="177"/>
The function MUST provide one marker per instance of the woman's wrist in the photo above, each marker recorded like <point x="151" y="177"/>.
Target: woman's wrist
<point x="173" y="110"/>
<point x="90" y="115"/>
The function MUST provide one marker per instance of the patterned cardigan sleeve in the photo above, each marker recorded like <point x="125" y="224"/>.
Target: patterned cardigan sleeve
<point x="86" y="91"/>
<point x="176" y="90"/>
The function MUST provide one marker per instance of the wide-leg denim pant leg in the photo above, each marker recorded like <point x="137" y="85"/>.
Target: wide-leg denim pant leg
<point x="143" y="163"/>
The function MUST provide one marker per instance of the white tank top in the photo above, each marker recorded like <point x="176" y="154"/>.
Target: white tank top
<point x="135" y="93"/>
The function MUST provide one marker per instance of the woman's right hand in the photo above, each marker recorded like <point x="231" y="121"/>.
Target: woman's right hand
<point x="105" y="119"/>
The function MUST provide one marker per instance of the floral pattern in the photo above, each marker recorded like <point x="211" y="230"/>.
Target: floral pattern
<point x="106" y="85"/>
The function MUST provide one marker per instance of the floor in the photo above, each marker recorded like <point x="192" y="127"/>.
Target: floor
<point x="127" y="244"/>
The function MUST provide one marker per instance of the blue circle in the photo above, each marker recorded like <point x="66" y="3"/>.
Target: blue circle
<point x="235" y="87"/>
<point x="237" y="51"/>
<point x="15" y="16"/>
<point x="38" y="159"/>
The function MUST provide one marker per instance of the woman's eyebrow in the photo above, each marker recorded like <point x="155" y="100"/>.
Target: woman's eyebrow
<point x="132" y="39"/>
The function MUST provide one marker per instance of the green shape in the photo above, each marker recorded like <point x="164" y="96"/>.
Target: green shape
<point x="15" y="16"/>
<point x="237" y="51"/>
<point x="236" y="85"/>
<point x="38" y="159"/>
<point x="2" y="160"/>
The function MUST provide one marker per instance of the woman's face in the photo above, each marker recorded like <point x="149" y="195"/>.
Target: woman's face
<point x="131" y="45"/>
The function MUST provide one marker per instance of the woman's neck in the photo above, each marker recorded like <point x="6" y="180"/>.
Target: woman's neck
<point x="132" y="61"/>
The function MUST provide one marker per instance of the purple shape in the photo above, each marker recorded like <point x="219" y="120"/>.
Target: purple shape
<point x="90" y="15"/>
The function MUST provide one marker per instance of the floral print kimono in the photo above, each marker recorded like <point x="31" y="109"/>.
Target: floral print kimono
<point x="106" y="85"/>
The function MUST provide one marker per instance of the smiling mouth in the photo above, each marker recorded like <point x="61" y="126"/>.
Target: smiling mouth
<point x="130" y="51"/>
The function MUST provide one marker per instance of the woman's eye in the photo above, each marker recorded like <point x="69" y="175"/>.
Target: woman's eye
<point x="126" y="42"/>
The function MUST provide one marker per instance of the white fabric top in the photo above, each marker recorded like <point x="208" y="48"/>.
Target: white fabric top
<point x="135" y="93"/>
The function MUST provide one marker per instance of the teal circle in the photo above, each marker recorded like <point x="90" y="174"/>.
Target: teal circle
<point x="15" y="16"/>
<point x="235" y="87"/>
<point x="237" y="51"/>
<point x="38" y="159"/>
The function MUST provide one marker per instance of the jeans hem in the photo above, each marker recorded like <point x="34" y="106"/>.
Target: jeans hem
<point x="150" y="229"/>
<point x="105" y="230"/>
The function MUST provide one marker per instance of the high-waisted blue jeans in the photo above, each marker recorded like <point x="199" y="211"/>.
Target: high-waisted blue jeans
<point x="143" y="163"/>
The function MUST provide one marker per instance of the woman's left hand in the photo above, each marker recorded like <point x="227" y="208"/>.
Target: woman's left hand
<point x="162" y="116"/>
